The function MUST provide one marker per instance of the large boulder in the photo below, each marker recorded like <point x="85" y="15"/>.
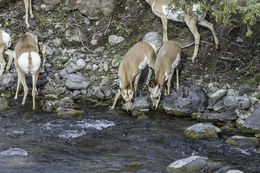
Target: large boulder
<point x="141" y="105"/>
<point x="252" y="123"/>
<point x="240" y="102"/>
<point x="93" y="8"/>
<point x="188" y="99"/>
<point x="6" y="80"/>
<point x="155" y="39"/>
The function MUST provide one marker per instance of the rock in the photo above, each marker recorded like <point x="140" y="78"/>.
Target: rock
<point x="6" y="80"/>
<point x="140" y="105"/>
<point x="245" y="89"/>
<point x="73" y="36"/>
<point x="234" y="171"/>
<point x="94" y="67"/>
<point x="114" y="39"/>
<point x="3" y="104"/>
<point x="240" y="102"/>
<point x="135" y="164"/>
<point x="232" y="92"/>
<point x="219" y="106"/>
<point x="252" y="123"/>
<point x="155" y="38"/>
<point x="202" y="131"/>
<point x="49" y="8"/>
<point x="223" y="116"/>
<point x="57" y="42"/>
<point x="243" y="142"/>
<point x="68" y="112"/>
<point x="188" y="99"/>
<point x="14" y="152"/>
<point x="217" y="96"/>
<point x="105" y="67"/>
<point x="80" y="64"/>
<point x="194" y="164"/>
<point x="52" y="2"/>
<point x="102" y="92"/>
<point x="75" y="81"/>
<point x="93" y="8"/>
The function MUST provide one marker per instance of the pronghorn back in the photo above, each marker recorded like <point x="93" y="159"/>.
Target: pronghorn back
<point x="134" y="62"/>
<point x="167" y="60"/>
<point x="27" y="55"/>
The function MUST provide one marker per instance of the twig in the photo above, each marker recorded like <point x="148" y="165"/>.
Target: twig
<point x="183" y="47"/>
<point x="108" y="25"/>
<point x="81" y="38"/>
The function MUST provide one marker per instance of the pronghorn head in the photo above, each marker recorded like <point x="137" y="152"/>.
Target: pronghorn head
<point x="155" y="95"/>
<point x="128" y="97"/>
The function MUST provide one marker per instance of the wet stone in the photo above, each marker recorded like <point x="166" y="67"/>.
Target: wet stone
<point x="243" y="141"/>
<point x="214" y="98"/>
<point x="234" y="171"/>
<point x="14" y="152"/>
<point x="68" y="112"/>
<point x="252" y="123"/>
<point x="202" y="131"/>
<point x="223" y="116"/>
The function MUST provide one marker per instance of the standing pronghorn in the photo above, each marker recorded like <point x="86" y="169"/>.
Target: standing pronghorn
<point x="135" y="60"/>
<point x="5" y="42"/>
<point x="28" y="6"/>
<point x="167" y="60"/>
<point x="28" y="59"/>
<point x="191" y="17"/>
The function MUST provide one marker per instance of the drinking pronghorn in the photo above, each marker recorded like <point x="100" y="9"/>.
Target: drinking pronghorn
<point x="5" y="42"/>
<point x="28" y="60"/>
<point x="28" y="7"/>
<point x="166" y="62"/>
<point x="130" y="68"/>
<point x="191" y="17"/>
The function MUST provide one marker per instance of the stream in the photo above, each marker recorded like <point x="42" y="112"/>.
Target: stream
<point x="102" y="141"/>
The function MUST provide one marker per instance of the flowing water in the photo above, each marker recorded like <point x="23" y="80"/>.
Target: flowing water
<point x="102" y="141"/>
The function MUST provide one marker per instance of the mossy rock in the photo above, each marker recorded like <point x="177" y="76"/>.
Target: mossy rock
<point x="3" y="103"/>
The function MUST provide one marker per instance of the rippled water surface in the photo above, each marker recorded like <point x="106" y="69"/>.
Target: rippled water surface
<point x="107" y="141"/>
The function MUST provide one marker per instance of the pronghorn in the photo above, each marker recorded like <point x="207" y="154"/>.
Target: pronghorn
<point x="5" y="42"/>
<point x="161" y="9"/>
<point x="28" y="60"/>
<point x="135" y="60"/>
<point x="28" y="6"/>
<point x="167" y="60"/>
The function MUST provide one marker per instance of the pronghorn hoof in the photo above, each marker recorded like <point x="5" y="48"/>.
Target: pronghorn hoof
<point x="32" y="16"/>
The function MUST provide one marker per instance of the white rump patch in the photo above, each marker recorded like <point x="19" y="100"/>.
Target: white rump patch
<point x="23" y="62"/>
<point x="176" y="62"/>
<point x="142" y="65"/>
<point x="6" y="39"/>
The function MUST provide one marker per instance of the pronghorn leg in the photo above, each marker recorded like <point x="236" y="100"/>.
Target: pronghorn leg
<point x="191" y="22"/>
<point x="169" y="84"/>
<point x="17" y="87"/>
<point x="148" y="77"/>
<point x="9" y="63"/>
<point x="164" y="23"/>
<point x="177" y="79"/>
<point x="26" y="4"/>
<point x="210" y="26"/>
<point x="136" y="83"/>
<point x="25" y="89"/>
<point x="34" y="90"/>
<point x="115" y="99"/>
<point x="2" y="61"/>
<point x="31" y="13"/>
